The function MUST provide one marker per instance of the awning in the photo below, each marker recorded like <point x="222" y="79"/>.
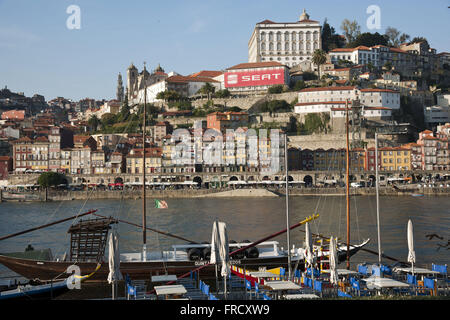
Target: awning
<point x="380" y="283"/>
<point x="416" y="270"/>
<point x="282" y="285"/>
<point x="170" y="289"/>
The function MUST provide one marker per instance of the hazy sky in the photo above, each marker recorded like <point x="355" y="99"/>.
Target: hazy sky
<point x="40" y="54"/>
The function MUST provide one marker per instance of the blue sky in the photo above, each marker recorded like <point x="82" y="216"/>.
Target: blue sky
<point x="39" y="54"/>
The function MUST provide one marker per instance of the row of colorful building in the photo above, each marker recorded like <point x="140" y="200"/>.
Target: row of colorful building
<point x="429" y="153"/>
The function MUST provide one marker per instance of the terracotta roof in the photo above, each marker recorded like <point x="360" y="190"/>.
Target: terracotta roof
<point x="80" y="138"/>
<point x="23" y="139"/>
<point x="207" y="74"/>
<point x="350" y="49"/>
<point x="397" y="50"/>
<point x="41" y="139"/>
<point x="337" y="88"/>
<point x="266" y="22"/>
<point x="251" y="65"/>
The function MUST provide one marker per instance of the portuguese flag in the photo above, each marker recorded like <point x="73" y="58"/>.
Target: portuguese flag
<point x="161" y="204"/>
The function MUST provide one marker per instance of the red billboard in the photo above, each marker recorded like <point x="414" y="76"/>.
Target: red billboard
<point x="254" y="78"/>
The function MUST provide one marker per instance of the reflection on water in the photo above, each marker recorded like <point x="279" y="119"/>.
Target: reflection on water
<point x="251" y="219"/>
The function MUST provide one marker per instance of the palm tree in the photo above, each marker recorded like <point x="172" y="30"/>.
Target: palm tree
<point x="319" y="57"/>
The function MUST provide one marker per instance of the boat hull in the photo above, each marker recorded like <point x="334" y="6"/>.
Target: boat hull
<point x="140" y="270"/>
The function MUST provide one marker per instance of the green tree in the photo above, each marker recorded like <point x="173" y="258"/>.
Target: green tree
<point x="395" y="37"/>
<point x="278" y="88"/>
<point x="168" y="95"/>
<point x="207" y="89"/>
<point x="319" y="57"/>
<point x="330" y="40"/>
<point x="351" y="30"/>
<point x="93" y="123"/>
<point x="108" y="119"/>
<point x="370" y="39"/>
<point x="299" y="85"/>
<point x="224" y="93"/>
<point x="51" y="179"/>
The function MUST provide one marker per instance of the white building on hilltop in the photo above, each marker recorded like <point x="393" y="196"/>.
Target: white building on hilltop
<point x="289" y="43"/>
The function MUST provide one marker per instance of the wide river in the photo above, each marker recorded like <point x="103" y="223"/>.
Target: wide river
<point x="246" y="218"/>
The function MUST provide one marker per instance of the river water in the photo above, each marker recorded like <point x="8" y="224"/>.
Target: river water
<point x="247" y="219"/>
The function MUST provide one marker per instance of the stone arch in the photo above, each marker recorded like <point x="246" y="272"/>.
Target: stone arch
<point x="234" y="178"/>
<point x="197" y="180"/>
<point x="308" y="180"/>
<point x="118" y="180"/>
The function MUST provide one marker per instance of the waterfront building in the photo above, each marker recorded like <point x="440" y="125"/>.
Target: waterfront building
<point x="98" y="161"/>
<point x="152" y="160"/>
<point x="80" y="160"/>
<point x="306" y="159"/>
<point x="40" y="154"/>
<point x="289" y="43"/>
<point x="395" y="158"/>
<point x="22" y="154"/>
<point x="65" y="160"/>
<point x="59" y="138"/>
<point x="116" y="163"/>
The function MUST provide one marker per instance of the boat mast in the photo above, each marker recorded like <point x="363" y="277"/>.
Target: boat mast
<point x="287" y="206"/>
<point x="347" y="193"/>
<point x="144" y="204"/>
<point x="378" y="197"/>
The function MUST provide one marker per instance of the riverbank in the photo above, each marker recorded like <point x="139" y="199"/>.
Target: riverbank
<point x="53" y="195"/>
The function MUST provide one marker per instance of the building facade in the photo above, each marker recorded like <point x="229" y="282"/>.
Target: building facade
<point x="289" y="43"/>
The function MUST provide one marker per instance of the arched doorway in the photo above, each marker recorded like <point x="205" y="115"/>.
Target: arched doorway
<point x="308" y="180"/>
<point x="198" y="180"/>
<point x="118" y="180"/>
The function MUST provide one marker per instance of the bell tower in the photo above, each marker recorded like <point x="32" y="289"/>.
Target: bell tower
<point x="132" y="77"/>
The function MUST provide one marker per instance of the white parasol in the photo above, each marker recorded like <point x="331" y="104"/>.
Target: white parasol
<point x="219" y="247"/>
<point x="308" y="245"/>
<point x="333" y="261"/>
<point x="114" y="260"/>
<point x="411" y="253"/>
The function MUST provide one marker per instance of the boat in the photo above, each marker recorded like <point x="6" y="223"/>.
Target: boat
<point x="35" y="290"/>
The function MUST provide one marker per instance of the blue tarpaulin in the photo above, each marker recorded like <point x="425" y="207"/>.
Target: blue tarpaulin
<point x="439" y="268"/>
<point x="411" y="279"/>
<point x="318" y="285"/>
<point x="362" y="269"/>
<point x="428" y="283"/>
<point x="343" y="294"/>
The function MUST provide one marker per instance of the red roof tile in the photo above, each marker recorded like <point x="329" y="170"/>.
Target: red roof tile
<point x="251" y="65"/>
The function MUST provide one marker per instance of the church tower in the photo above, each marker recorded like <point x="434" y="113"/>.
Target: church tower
<point x="132" y="77"/>
<point x="119" y="92"/>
